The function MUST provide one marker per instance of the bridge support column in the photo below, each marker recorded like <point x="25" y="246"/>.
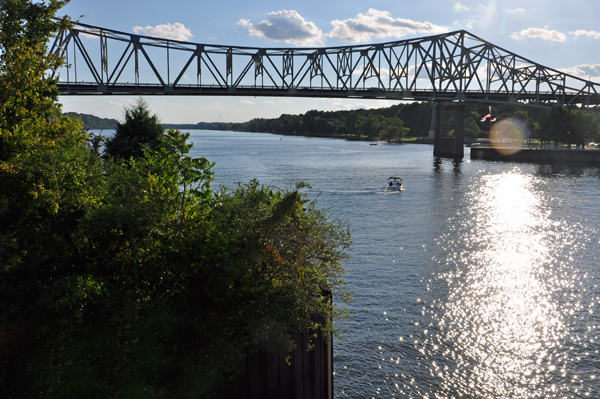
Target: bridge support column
<point x="449" y="118"/>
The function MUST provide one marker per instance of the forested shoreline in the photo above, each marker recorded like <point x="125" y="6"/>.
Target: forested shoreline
<point x="414" y="120"/>
<point x="411" y="120"/>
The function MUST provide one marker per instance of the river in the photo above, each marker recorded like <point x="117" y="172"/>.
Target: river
<point x="480" y="280"/>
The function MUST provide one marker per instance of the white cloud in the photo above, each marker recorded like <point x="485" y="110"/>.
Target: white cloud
<point x="339" y="104"/>
<point x="125" y="102"/>
<point x="268" y="102"/>
<point x="86" y="35"/>
<point x="285" y="26"/>
<point x="539" y="33"/>
<point x="584" y="71"/>
<point x="379" y="24"/>
<point x="247" y="102"/>
<point x="176" y="31"/>
<point x="514" y="10"/>
<point x="590" y="33"/>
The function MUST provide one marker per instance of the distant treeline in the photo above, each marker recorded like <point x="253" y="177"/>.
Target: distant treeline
<point x="201" y="126"/>
<point x="370" y="123"/>
<point x="367" y="123"/>
<point x="93" y="122"/>
<point x="359" y="122"/>
<point x="401" y="120"/>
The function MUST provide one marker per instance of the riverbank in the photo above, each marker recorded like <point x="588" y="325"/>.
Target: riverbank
<point x="588" y="157"/>
<point x="403" y="140"/>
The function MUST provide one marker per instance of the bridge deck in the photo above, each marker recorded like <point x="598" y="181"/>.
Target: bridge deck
<point x="454" y="66"/>
<point x="534" y="98"/>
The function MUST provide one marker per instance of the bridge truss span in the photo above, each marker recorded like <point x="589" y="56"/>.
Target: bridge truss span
<point x="455" y="66"/>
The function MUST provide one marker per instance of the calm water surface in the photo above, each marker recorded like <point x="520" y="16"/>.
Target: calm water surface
<point x="480" y="280"/>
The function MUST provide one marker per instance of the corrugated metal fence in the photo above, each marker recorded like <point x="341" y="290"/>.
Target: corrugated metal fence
<point x="265" y="374"/>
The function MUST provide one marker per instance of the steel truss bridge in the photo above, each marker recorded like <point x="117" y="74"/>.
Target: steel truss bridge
<point x="451" y="67"/>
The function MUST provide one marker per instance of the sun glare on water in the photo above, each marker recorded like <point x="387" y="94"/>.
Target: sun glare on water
<point x="502" y="324"/>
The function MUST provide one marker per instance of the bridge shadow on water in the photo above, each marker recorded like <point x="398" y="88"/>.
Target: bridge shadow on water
<point x="438" y="164"/>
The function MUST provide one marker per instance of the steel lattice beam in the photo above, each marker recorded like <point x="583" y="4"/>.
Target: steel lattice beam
<point x="455" y="66"/>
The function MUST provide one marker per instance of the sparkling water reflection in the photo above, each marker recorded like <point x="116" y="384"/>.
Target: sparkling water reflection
<point x="503" y="321"/>
<point x="478" y="281"/>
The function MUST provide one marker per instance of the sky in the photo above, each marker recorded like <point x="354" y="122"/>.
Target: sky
<point x="558" y="34"/>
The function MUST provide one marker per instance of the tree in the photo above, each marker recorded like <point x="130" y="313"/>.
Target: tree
<point x="370" y="126"/>
<point x="352" y="123"/>
<point x="394" y="130"/>
<point x="471" y="128"/>
<point x="584" y="127"/>
<point x="528" y="129"/>
<point x="28" y="96"/>
<point x="554" y="124"/>
<point x="136" y="279"/>
<point x="123" y="280"/>
<point x="573" y="126"/>
<point x="416" y="116"/>
<point x="139" y="128"/>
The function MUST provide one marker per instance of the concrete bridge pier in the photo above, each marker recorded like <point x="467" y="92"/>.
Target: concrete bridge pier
<point x="449" y="131"/>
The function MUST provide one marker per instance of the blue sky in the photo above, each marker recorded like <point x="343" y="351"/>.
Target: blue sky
<point x="559" y="34"/>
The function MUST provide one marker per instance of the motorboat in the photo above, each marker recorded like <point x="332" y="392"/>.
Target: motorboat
<point x="395" y="184"/>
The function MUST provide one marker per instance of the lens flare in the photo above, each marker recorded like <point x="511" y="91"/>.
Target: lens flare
<point x="507" y="136"/>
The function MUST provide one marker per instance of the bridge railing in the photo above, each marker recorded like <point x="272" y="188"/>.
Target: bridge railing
<point x="455" y="62"/>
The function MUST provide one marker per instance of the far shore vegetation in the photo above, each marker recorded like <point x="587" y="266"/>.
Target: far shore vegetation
<point x="408" y="121"/>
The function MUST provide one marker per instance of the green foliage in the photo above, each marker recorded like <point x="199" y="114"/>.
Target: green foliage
<point x="127" y="278"/>
<point x="136" y="279"/>
<point x="28" y="97"/>
<point x="376" y="123"/>
<point x="416" y="116"/>
<point x="286" y="251"/>
<point x="570" y="126"/>
<point x="394" y="129"/>
<point x="139" y="128"/>
<point x="357" y="123"/>
<point x="471" y="128"/>
<point x="584" y="127"/>
<point x="93" y="122"/>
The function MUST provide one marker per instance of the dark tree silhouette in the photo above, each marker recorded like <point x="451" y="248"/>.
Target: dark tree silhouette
<point x="139" y="127"/>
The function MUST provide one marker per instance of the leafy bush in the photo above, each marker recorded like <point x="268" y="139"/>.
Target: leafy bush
<point x="122" y="279"/>
<point x="129" y="276"/>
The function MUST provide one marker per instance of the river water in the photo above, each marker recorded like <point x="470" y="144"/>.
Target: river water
<point x="480" y="280"/>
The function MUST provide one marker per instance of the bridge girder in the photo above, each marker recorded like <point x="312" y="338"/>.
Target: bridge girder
<point x="455" y="66"/>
